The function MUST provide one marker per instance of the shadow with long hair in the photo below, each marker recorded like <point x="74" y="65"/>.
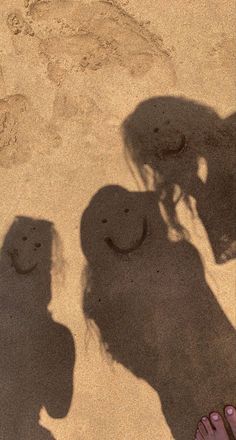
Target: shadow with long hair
<point x="170" y="137"/>
<point x="37" y="353"/>
<point x="155" y="313"/>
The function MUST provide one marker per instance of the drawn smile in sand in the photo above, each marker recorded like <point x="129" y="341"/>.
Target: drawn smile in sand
<point x="24" y="252"/>
<point x="17" y="264"/>
<point x="136" y="245"/>
<point x="119" y="224"/>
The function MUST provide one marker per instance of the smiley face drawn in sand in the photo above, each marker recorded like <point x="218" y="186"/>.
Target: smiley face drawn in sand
<point x="136" y="244"/>
<point x="115" y="223"/>
<point x="26" y="251"/>
<point x="15" y="263"/>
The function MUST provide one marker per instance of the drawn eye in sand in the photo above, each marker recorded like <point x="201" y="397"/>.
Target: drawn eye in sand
<point x="168" y="142"/>
<point x="21" y="267"/>
<point x="136" y="243"/>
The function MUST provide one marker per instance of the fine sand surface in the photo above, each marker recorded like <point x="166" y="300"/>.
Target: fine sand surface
<point x="117" y="266"/>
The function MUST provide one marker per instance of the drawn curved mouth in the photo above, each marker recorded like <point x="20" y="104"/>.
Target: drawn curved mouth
<point x="15" y="263"/>
<point x="138" y="243"/>
<point x="166" y="153"/>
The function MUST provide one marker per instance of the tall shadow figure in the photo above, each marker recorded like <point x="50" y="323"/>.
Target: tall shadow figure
<point x="37" y="353"/>
<point x="168" y="136"/>
<point x="154" y="310"/>
<point x="148" y="295"/>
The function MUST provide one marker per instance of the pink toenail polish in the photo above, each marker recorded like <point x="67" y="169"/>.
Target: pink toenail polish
<point x="215" y="417"/>
<point x="229" y="410"/>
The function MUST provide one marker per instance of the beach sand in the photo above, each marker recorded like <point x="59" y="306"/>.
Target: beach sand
<point x="71" y="72"/>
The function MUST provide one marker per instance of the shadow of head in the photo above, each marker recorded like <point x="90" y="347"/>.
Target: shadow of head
<point x="32" y="248"/>
<point x="167" y="139"/>
<point x="170" y="133"/>
<point x="115" y="223"/>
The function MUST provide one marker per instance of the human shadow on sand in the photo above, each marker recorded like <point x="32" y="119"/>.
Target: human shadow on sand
<point x="37" y="353"/>
<point x="154" y="310"/>
<point x="147" y="294"/>
<point x="169" y="137"/>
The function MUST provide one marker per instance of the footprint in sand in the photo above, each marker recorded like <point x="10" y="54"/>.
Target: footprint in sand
<point x="65" y="107"/>
<point x="17" y="24"/>
<point x="23" y="132"/>
<point x="83" y="37"/>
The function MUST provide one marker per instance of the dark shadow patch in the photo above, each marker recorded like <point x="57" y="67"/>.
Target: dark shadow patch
<point x="188" y="131"/>
<point x="138" y="243"/>
<point x="155" y="312"/>
<point x="37" y="353"/>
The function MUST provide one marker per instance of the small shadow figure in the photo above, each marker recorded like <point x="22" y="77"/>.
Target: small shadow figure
<point x="153" y="308"/>
<point x="169" y="136"/>
<point x="37" y="353"/>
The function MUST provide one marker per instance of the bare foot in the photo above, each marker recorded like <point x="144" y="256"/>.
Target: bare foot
<point x="212" y="428"/>
<point x="230" y="414"/>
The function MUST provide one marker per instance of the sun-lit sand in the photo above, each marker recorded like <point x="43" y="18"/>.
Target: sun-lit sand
<point x="70" y="74"/>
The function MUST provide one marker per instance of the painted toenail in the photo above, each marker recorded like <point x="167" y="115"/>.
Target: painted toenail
<point x="230" y="410"/>
<point x="204" y="419"/>
<point x="215" y="417"/>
